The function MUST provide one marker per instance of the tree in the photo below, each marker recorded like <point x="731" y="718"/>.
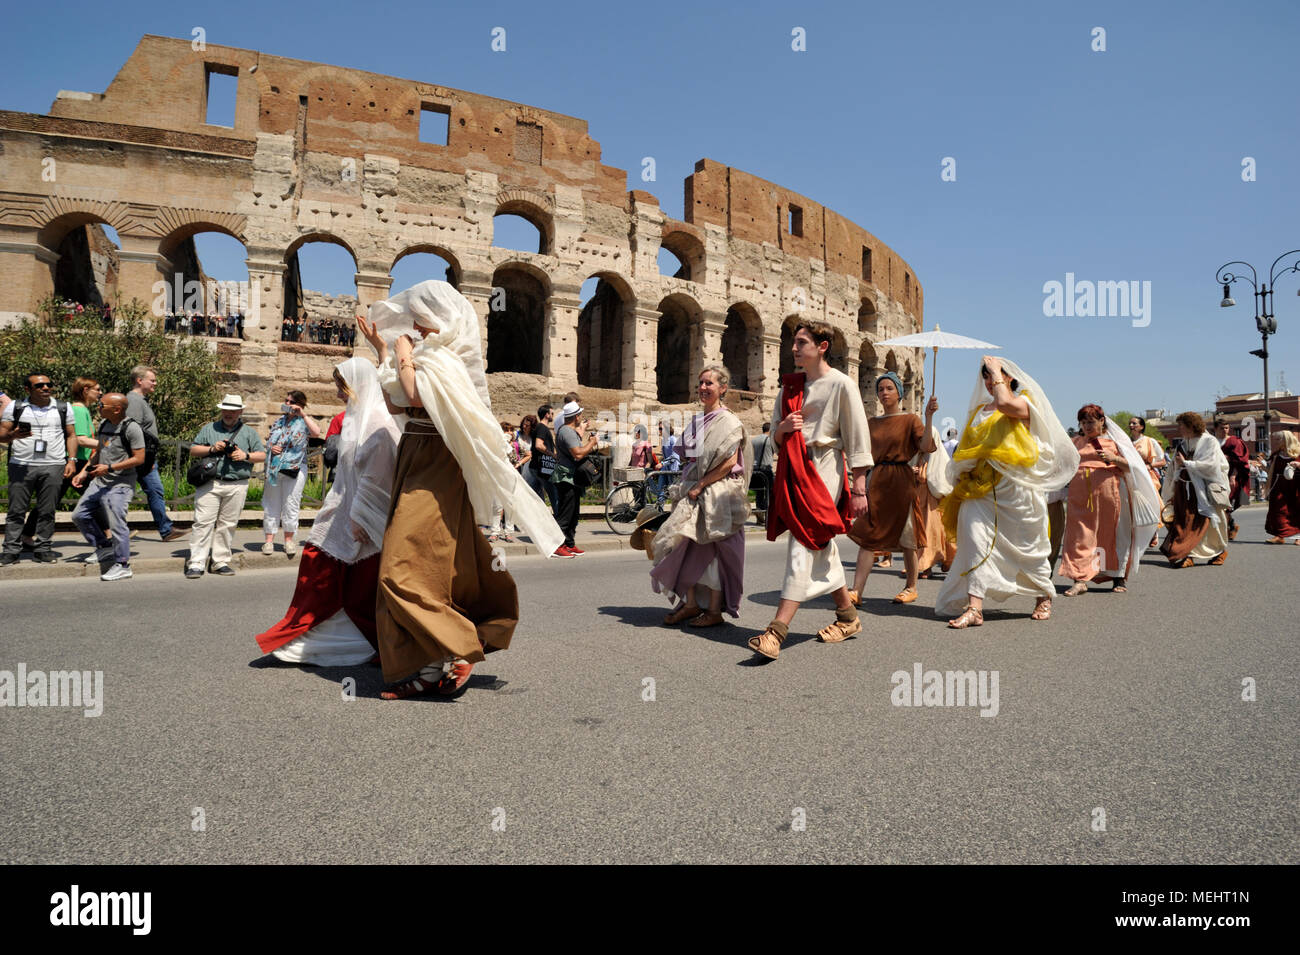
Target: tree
<point x="1121" y="418"/>
<point x="66" y="346"/>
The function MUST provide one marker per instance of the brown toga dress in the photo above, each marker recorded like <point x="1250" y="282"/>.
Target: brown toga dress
<point x="891" y="489"/>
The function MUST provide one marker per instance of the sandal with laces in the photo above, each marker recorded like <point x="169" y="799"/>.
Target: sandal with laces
<point x="839" y="631"/>
<point x="1042" y="610"/>
<point x="1080" y="587"/>
<point x="682" y="613"/>
<point x="970" y="617"/>
<point x="905" y="596"/>
<point x="709" y="618"/>
<point x="455" y="678"/>
<point x="418" y="685"/>
<point x="766" y="644"/>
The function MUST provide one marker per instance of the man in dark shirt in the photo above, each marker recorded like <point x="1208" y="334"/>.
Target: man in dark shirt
<point x="542" y="463"/>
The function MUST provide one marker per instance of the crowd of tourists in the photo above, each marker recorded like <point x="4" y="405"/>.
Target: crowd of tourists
<point x="324" y="331"/>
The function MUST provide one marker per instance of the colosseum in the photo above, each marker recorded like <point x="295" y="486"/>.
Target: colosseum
<point x="321" y="153"/>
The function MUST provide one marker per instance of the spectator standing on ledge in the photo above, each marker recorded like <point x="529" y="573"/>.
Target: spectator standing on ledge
<point x="43" y="438"/>
<point x="218" y="501"/>
<point x="286" y="472"/>
<point x="112" y="474"/>
<point x="85" y="399"/>
<point x="144" y="382"/>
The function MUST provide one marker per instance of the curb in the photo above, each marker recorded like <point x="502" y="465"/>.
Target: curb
<point x="246" y="560"/>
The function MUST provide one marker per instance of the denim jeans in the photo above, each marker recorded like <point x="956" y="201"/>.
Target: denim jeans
<point x="541" y="483"/>
<point x="115" y="498"/>
<point x="153" y="490"/>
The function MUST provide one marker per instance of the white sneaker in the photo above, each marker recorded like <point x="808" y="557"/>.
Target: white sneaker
<point x="117" y="572"/>
<point x="268" y="548"/>
<point x="291" y="549"/>
<point x="103" y="554"/>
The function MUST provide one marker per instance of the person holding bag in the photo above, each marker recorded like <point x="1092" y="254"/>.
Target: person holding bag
<point x="286" y="472"/>
<point x="225" y="451"/>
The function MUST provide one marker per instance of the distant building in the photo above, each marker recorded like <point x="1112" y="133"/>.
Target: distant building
<point x="1240" y="412"/>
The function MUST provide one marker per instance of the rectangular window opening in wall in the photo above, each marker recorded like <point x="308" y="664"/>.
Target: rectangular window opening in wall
<point x="435" y="123"/>
<point x="866" y="263"/>
<point x="220" y="86"/>
<point x="528" y="142"/>
<point x="795" y="224"/>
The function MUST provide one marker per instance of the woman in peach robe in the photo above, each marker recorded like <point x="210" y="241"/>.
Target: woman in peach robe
<point x="1111" y="509"/>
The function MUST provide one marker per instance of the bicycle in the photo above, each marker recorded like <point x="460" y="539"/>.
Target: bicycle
<point x="627" y="499"/>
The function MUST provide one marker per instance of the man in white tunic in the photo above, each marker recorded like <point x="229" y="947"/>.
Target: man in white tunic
<point x="817" y="427"/>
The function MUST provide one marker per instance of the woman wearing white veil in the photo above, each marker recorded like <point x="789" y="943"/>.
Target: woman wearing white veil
<point x="1197" y="497"/>
<point x="1012" y="452"/>
<point x="1113" y="506"/>
<point x="331" y="619"/>
<point x="444" y="598"/>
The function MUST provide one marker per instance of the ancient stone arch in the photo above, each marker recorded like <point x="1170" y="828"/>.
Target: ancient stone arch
<point x="329" y="153"/>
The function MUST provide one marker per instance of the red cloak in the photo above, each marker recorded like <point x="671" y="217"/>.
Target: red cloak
<point x="801" y="503"/>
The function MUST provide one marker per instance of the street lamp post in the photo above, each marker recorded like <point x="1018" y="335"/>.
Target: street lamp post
<point x="1264" y="320"/>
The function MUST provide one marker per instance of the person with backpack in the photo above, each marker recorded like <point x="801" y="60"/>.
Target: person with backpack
<point x="42" y="436"/>
<point x="111" y="471"/>
<point x="143" y="382"/>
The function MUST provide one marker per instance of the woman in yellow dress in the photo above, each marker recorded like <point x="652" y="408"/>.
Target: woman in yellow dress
<point x="1012" y="452"/>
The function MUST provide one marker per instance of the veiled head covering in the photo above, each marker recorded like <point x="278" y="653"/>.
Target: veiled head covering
<point x="1058" y="459"/>
<point x="365" y="413"/>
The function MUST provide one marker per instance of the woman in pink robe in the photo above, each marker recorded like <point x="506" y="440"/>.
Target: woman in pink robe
<point x="1093" y="511"/>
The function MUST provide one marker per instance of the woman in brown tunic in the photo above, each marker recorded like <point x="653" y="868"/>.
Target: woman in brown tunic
<point x="896" y="437"/>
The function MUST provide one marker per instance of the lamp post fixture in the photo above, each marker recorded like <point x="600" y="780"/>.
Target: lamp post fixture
<point x="1264" y="320"/>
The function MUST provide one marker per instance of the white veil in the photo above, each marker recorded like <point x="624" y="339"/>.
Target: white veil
<point x="449" y="380"/>
<point x="1058" y="460"/>
<point x="1139" y="505"/>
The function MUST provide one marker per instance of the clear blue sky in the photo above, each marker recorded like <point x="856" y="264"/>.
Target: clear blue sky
<point x="1115" y="166"/>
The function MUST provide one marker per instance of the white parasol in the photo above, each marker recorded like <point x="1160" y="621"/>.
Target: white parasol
<point x="936" y="339"/>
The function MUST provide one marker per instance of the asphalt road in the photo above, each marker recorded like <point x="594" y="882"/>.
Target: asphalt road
<point x="1130" y="704"/>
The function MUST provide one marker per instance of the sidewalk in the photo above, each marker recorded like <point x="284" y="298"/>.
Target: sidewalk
<point x="150" y="555"/>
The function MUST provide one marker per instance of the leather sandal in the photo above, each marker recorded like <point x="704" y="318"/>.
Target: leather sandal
<point x="970" y="617"/>
<point x="418" y="685"/>
<point x="1219" y="559"/>
<point x="766" y="644"/>
<point x="839" y="631"/>
<point x="905" y="596"/>
<point x="1080" y="587"/>
<point x="709" y="618"/>
<point x="681" y="614"/>
<point x="455" y="678"/>
<point x="855" y="598"/>
<point x="1042" y="610"/>
<point x="1119" y="586"/>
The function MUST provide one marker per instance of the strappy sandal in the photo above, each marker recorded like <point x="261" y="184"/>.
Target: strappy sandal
<point x="680" y="614"/>
<point x="1042" y="610"/>
<point x="707" y="619"/>
<point x="418" y="685"/>
<point x="1182" y="564"/>
<point x="839" y="631"/>
<point x="970" y="617"/>
<point x="855" y="598"/>
<point x="1219" y="559"/>
<point x="455" y="678"/>
<point x="766" y="644"/>
<point x="905" y="596"/>
<point x="1119" y="587"/>
<point x="1080" y="587"/>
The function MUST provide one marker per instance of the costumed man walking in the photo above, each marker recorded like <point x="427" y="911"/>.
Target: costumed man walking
<point x="1234" y="449"/>
<point x="444" y="599"/>
<point x="818" y="424"/>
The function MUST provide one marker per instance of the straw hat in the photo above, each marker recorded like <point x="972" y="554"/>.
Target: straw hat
<point x="648" y="520"/>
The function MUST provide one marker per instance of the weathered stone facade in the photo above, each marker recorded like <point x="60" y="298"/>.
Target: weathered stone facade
<point x="323" y="153"/>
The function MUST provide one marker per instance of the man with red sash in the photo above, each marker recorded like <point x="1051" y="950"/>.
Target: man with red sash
<point x="818" y="423"/>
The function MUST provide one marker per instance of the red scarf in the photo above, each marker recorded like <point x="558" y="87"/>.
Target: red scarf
<point x="801" y="503"/>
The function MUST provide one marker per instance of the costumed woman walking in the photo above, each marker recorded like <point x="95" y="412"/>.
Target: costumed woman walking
<point x="444" y="601"/>
<point x="1196" y="497"/>
<point x="1152" y="455"/>
<point x="1283" y="488"/>
<point x="701" y="546"/>
<point x="896" y="438"/>
<point x="331" y="618"/>
<point x="1113" y="506"/>
<point x="1012" y="453"/>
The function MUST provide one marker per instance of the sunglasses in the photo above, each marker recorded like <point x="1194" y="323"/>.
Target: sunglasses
<point x="40" y="384"/>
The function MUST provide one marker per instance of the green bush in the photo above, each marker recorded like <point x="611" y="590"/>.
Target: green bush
<point x="80" y="345"/>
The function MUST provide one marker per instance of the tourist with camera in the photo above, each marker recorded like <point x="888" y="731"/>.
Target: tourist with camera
<point x="286" y="472"/>
<point x="43" y="438"/>
<point x="224" y="453"/>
